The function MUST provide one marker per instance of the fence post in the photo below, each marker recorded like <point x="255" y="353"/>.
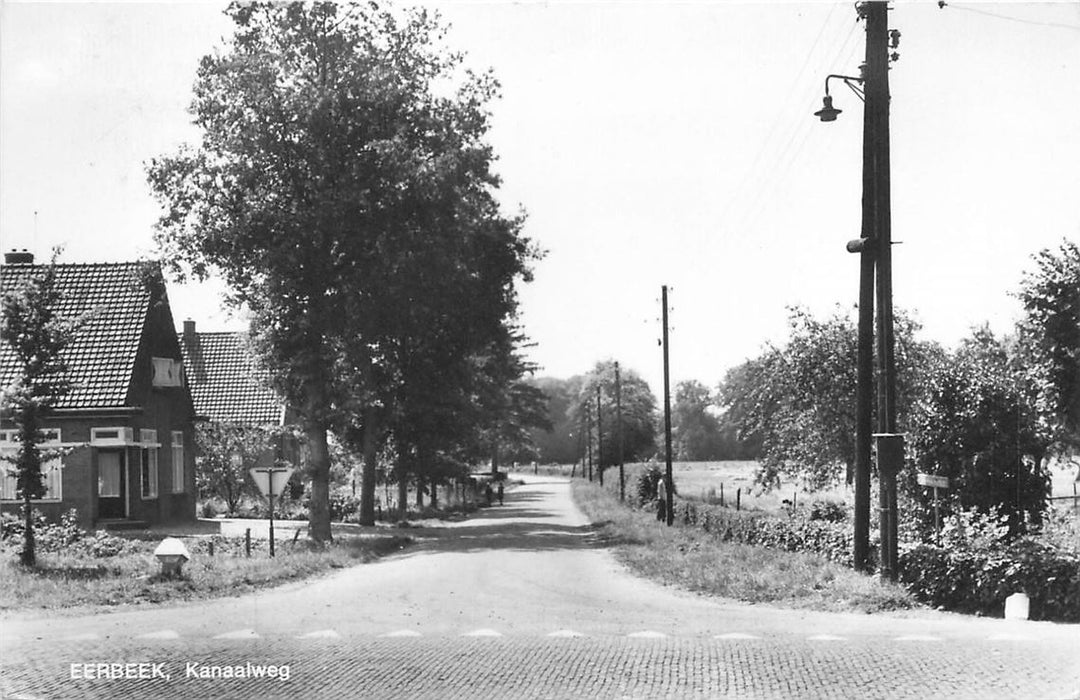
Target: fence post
<point x="738" y="499"/>
<point x="247" y="542"/>
<point x="721" y="493"/>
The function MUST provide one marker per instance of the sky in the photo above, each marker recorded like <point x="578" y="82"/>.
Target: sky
<point x="650" y="144"/>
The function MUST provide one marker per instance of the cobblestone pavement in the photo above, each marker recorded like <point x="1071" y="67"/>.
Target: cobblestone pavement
<point x="550" y="667"/>
<point x="521" y="602"/>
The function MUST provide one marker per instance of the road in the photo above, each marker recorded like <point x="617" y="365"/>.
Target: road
<point x="522" y="601"/>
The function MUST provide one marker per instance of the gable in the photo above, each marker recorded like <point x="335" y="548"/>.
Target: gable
<point x="101" y="358"/>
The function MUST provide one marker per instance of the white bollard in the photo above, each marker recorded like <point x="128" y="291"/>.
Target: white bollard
<point x="1016" y="607"/>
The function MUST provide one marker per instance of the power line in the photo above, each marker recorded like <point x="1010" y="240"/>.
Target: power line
<point x="1074" y="27"/>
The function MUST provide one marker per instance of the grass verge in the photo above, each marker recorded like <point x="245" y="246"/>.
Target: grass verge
<point x="64" y="580"/>
<point x="694" y="560"/>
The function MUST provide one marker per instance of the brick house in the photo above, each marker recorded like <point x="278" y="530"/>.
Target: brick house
<point x="128" y="419"/>
<point x="227" y="387"/>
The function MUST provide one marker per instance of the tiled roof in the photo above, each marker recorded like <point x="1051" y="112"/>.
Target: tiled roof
<point x="225" y="384"/>
<point x="101" y="358"/>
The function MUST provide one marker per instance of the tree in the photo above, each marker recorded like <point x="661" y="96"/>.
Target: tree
<point x="1049" y="338"/>
<point x="565" y="442"/>
<point x="976" y="425"/>
<point x="638" y="414"/>
<point x="799" y="398"/>
<point x="36" y="338"/>
<point x="696" y="433"/>
<point x="226" y="453"/>
<point x="345" y="194"/>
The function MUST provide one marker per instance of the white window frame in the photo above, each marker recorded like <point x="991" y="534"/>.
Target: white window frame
<point x="168" y="371"/>
<point x="53" y="470"/>
<point x="178" y="471"/>
<point x="119" y="436"/>
<point x="148" y="471"/>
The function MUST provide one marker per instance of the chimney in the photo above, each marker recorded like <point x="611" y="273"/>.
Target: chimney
<point x="19" y="257"/>
<point x="189" y="332"/>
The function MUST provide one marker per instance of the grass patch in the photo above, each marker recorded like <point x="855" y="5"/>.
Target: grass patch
<point x="65" y="580"/>
<point x="692" y="559"/>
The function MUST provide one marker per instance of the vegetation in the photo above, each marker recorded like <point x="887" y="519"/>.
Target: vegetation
<point x="77" y="568"/>
<point x="700" y="561"/>
<point x="344" y="191"/>
<point x="37" y="338"/>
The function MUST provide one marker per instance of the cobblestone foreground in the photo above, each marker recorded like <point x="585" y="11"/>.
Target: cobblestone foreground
<point x="538" y="667"/>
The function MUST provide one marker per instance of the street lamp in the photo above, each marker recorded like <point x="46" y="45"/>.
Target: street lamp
<point x="828" y="113"/>
<point x="874" y="249"/>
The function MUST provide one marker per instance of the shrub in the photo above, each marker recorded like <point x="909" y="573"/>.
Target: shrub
<point x="976" y="567"/>
<point x="978" y="581"/>
<point x="829" y="511"/>
<point x="48" y="536"/>
<point x="794" y="534"/>
<point x="343" y="506"/>
<point x="647" y="482"/>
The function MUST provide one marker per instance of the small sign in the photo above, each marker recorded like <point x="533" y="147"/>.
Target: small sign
<point x="267" y="477"/>
<point x="938" y="482"/>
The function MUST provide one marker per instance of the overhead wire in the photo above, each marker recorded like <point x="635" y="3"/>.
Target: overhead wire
<point x="800" y="131"/>
<point x="1010" y="18"/>
<point x="752" y="171"/>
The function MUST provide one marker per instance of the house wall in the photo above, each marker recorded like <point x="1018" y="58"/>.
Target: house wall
<point x="166" y="408"/>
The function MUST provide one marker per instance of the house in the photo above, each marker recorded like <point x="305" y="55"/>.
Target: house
<point x="228" y="387"/>
<point x="128" y="420"/>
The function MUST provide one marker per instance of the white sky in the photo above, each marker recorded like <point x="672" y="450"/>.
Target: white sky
<point x="651" y="143"/>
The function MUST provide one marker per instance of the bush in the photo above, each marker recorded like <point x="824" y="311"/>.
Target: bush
<point x="343" y="506"/>
<point x="976" y="567"/>
<point x="794" y="534"/>
<point x="65" y="536"/>
<point x="647" y="482"/>
<point x="829" y="511"/>
<point x="974" y="581"/>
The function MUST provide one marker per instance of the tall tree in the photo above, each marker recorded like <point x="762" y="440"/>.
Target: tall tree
<point x="695" y="429"/>
<point x="36" y="338"/>
<point x="1049" y="335"/>
<point x="639" y="414"/>
<point x="346" y="196"/>
<point x="975" y="423"/>
<point x="799" y="398"/>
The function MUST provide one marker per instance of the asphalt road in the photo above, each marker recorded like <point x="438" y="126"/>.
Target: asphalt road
<point x="522" y="601"/>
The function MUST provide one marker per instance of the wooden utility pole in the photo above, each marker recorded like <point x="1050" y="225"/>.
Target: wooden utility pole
<point x="588" y="437"/>
<point x="877" y="227"/>
<point x="669" y="482"/>
<point x="599" y="437"/>
<point x="619" y="433"/>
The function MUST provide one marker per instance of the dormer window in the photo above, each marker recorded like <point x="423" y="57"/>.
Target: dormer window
<point x="168" y="372"/>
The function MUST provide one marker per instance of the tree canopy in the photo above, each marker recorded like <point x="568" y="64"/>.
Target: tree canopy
<point x="343" y="190"/>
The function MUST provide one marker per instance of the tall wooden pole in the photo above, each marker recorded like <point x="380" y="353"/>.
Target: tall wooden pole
<point x="670" y="506"/>
<point x="619" y="433"/>
<point x="599" y="437"/>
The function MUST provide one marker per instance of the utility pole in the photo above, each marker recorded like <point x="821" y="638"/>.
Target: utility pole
<point x="890" y="448"/>
<point x="599" y="437"/>
<point x="619" y="433"/>
<point x="670" y="505"/>
<point x="588" y="436"/>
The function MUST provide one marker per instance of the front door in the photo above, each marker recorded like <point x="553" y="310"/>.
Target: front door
<point x="112" y="484"/>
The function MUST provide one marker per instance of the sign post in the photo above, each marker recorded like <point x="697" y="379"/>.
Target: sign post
<point x="269" y="480"/>
<point x="935" y="482"/>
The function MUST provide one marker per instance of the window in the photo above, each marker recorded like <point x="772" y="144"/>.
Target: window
<point x="149" y="469"/>
<point x="178" y="461"/>
<point x="51" y="469"/>
<point x="167" y="372"/>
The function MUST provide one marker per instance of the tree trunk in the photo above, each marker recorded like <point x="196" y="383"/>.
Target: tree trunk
<point x="403" y="495"/>
<point x="434" y="494"/>
<point x="367" y="479"/>
<point x="419" y="494"/>
<point x="319" y="471"/>
<point x="495" y="459"/>
<point x="28" y="556"/>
